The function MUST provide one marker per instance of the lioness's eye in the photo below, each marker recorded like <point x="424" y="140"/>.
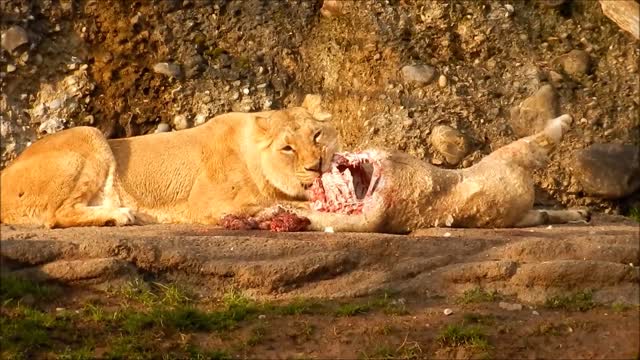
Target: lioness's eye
<point x="316" y="137"/>
<point x="287" y="149"/>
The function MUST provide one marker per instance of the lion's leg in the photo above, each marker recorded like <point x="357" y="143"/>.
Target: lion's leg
<point x="325" y="221"/>
<point x="78" y="209"/>
<point x="65" y="179"/>
<point x="531" y="151"/>
<point x="544" y="217"/>
<point x="533" y="218"/>
<point x="568" y="216"/>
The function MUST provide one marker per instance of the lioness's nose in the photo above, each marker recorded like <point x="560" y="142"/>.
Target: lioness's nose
<point x="317" y="167"/>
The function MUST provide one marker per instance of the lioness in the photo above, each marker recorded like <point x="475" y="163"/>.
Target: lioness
<point x="237" y="163"/>
<point x="376" y="191"/>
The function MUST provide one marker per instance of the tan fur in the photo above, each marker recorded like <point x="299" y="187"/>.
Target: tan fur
<point x="496" y="192"/>
<point x="237" y="163"/>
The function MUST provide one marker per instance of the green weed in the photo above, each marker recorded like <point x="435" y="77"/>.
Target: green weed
<point x="462" y="335"/>
<point x="13" y="289"/>
<point x="580" y="301"/>
<point x="477" y="295"/>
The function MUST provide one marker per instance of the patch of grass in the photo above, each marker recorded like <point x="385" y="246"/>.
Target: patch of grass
<point x="352" y="309"/>
<point x="95" y="312"/>
<point x="24" y="330"/>
<point x="151" y="294"/>
<point x="385" y="303"/>
<point x="139" y="291"/>
<point x="389" y="306"/>
<point x="305" y="330"/>
<point x="477" y="295"/>
<point x="383" y="352"/>
<point x="634" y="213"/>
<point x="548" y="328"/>
<point x="579" y="301"/>
<point x="13" y="289"/>
<point x="198" y="354"/>
<point x="620" y="307"/>
<point x="132" y="347"/>
<point x="188" y="318"/>
<point x="296" y="307"/>
<point x="462" y="335"/>
<point x="183" y="318"/>
<point x="385" y="329"/>
<point x="172" y="295"/>
<point x="83" y="353"/>
<point x="257" y="335"/>
<point x="235" y="308"/>
<point x="407" y="350"/>
<point x="133" y="322"/>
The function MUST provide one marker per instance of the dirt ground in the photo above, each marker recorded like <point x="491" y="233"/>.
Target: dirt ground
<point x="512" y="272"/>
<point x="92" y="62"/>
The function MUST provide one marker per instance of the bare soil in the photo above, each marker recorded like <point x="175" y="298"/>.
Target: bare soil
<point x="237" y="55"/>
<point x="428" y="270"/>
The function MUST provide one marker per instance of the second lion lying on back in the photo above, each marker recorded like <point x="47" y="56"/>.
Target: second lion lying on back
<point x="378" y="191"/>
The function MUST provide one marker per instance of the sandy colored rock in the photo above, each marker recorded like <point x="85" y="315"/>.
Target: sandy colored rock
<point x="421" y="74"/>
<point x="527" y="264"/>
<point x="608" y="170"/>
<point x="352" y="59"/>
<point x="575" y="63"/>
<point x="13" y="38"/>
<point x="168" y="69"/>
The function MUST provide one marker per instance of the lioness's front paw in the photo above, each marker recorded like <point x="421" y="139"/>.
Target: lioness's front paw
<point x="123" y="216"/>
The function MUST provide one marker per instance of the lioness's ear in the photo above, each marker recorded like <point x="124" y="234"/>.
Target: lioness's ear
<point x="263" y="127"/>
<point x="312" y="104"/>
<point x="263" y="124"/>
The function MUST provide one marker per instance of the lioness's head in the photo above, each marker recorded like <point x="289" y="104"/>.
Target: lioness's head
<point x="297" y="145"/>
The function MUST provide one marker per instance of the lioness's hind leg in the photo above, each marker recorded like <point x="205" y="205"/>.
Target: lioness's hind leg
<point x="92" y="183"/>
<point x="533" y="218"/>
<point x="531" y="151"/>
<point x="545" y="217"/>
<point x="568" y="216"/>
<point x="65" y="179"/>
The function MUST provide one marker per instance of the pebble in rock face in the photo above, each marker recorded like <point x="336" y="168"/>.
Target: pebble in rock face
<point x="574" y="63"/>
<point x="168" y="69"/>
<point x="13" y="38"/>
<point x="200" y="119"/>
<point x="609" y="171"/>
<point x="534" y="112"/>
<point x="449" y="142"/>
<point x="180" y="122"/>
<point x="332" y="8"/>
<point x="422" y="74"/>
<point x="442" y="81"/>
<point x="162" y="127"/>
